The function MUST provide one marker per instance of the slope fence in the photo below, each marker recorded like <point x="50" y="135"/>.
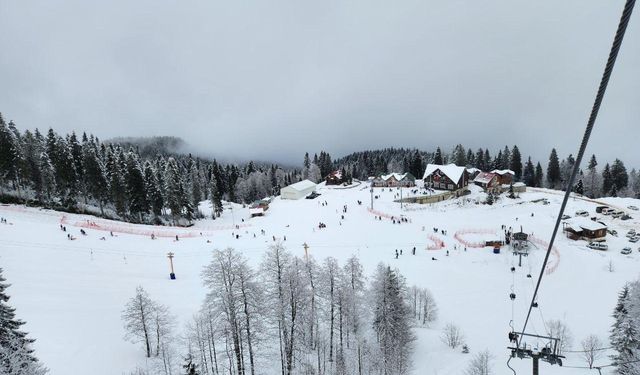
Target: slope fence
<point x="436" y="244"/>
<point x="143" y="230"/>
<point x="460" y="236"/>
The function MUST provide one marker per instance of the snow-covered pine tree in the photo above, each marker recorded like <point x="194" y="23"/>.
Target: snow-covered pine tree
<point x="607" y="180"/>
<point x="152" y="187"/>
<point x="135" y="186"/>
<point x="625" y="332"/>
<point x="538" y="176"/>
<point x="437" y="157"/>
<point x="16" y="355"/>
<point x="391" y="321"/>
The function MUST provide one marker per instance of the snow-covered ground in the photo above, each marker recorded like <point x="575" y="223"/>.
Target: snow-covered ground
<point x="71" y="293"/>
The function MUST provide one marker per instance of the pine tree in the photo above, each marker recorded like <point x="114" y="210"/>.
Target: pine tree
<point x="592" y="189"/>
<point x="505" y="162"/>
<point x="579" y="188"/>
<point x="437" y="157"/>
<point x="607" y="180"/>
<point x="96" y="183"/>
<point x="135" y="186"/>
<point x="173" y="188"/>
<point x="625" y="332"/>
<point x="459" y="156"/>
<point x="529" y="175"/>
<point x="480" y="164"/>
<point x="619" y="175"/>
<point x="16" y="355"/>
<point x="553" y="170"/>
<point x="116" y="182"/>
<point x="516" y="163"/>
<point x="391" y="320"/>
<point x="417" y="168"/>
<point x="152" y="187"/>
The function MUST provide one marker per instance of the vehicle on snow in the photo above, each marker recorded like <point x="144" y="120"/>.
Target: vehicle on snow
<point x="600" y="208"/>
<point x="597" y="246"/>
<point x="633" y="208"/>
<point x="582" y="213"/>
<point x="634" y="239"/>
<point x="617" y="214"/>
<point x="608" y="211"/>
<point x="565" y="217"/>
<point x="626" y="251"/>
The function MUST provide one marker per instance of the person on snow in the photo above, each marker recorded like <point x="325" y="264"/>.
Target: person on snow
<point x="396" y="253"/>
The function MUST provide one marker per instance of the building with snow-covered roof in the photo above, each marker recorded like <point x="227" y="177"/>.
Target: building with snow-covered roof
<point x="580" y="228"/>
<point x="298" y="190"/>
<point x="505" y="176"/>
<point x="394" y="180"/>
<point x="334" y="178"/>
<point x="446" y="177"/>
<point x="473" y="172"/>
<point x="487" y="180"/>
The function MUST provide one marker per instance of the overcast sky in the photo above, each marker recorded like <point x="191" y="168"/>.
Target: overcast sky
<point x="271" y="79"/>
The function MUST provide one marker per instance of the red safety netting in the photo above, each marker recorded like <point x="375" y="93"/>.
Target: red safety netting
<point x="437" y="243"/>
<point x="460" y="236"/>
<point x="554" y="257"/>
<point x="147" y="230"/>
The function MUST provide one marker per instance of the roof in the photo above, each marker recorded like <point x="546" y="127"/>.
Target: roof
<point x="450" y="170"/>
<point x="473" y="170"/>
<point x="337" y="174"/>
<point x="503" y="172"/>
<point x="302" y="185"/>
<point x="397" y="176"/>
<point x="484" y="177"/>
<point x="580" y="223"/>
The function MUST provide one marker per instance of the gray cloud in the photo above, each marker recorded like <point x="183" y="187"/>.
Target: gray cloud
<point x="272" y="79"/>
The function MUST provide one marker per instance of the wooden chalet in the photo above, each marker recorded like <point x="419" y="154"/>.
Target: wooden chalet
<point x="334" y="178"/>
<point x="488" y="181"/>
<point x="579" y="228"/>
<point x="394" y="180"/>
<point x="446" y="177"/>
<point x="505" y="176"/>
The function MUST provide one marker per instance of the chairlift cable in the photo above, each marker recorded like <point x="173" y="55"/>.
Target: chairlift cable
<point x="613" y="54"/>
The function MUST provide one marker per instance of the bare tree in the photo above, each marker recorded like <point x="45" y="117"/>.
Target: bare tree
<point x="137" y="316"/>
<point x="480" y="364"/>
<point x="558" y="329"/>
<point x="591" y="346"/>
<point x="428" y="307"/>
<point x="452" y="336"/>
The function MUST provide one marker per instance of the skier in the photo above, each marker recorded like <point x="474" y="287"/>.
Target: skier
<point x="414" y="250"/>
<point x="177" y="237"/>
<point x="400" y="251"/>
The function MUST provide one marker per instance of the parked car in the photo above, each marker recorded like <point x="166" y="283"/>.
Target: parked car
<point x="608" y="211"/>
<point x="633" y="208"/>
<point x="617" y="214"/>
<point x="565" y="217"/>
<point x="613" y="232"/>
<point x="600" y="208"/>
<point x="634" y="239"/>
<point x="631" y="233"/>
<point x="626" y="251"/>
<point x="597" y="246"/>
<point x="582" y="213"/>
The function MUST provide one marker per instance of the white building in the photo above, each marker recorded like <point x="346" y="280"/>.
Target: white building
<point x="298" y="190"/>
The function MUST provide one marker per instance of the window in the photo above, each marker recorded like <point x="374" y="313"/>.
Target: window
<point x="450" y="186"/>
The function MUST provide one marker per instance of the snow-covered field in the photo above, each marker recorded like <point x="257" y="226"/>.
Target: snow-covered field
<point x="71" y="293"/>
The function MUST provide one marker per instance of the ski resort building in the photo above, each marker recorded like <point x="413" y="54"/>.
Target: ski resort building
<point x="579" y="228"/>
<point x="487" y="180"/>
<point x="446" y="177"/>
<point x="298" y="190"/>
<point x="505" y="176"/>
<point x="394" y="180"/>
<point x="334" y="178"/>
<point x="258" y="208"/>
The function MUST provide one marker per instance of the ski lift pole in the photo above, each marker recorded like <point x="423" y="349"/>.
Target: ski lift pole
<point x="306" y="251"/>
<point x="172" y="275"/>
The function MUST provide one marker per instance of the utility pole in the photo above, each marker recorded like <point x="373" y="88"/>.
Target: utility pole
<point x="172" y="275"/>
<point x="371" y="196"/>
<point x="306" y="251"/>
<point x="536" y="365"/>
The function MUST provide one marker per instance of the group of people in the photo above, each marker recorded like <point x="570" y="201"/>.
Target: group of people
<point x="3" y="220"/>
<point x="444" y="232"/>
<point x="413" y="252"/>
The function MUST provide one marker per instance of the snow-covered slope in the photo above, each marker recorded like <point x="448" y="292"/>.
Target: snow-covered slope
<point x="71" y="293"/>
